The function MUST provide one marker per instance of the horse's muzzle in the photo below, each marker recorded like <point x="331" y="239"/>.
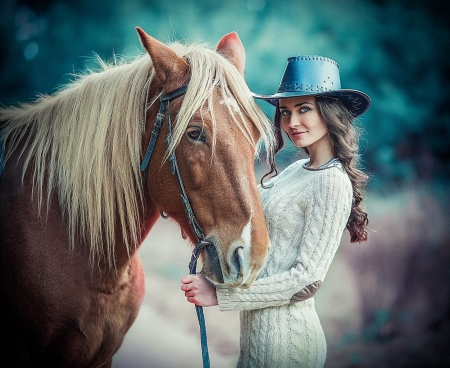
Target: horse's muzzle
<point x="229" y="271"/>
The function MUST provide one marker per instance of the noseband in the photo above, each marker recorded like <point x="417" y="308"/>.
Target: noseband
<point x="201" y="242"/>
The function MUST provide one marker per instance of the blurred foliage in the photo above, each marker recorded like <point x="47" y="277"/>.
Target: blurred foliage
<point x="403" y="283"/>
<point x="396" y="51"/>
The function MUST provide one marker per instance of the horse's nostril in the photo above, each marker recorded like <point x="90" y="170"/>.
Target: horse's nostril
<point x="239" y="253"/>
<point x="214" y="262"/>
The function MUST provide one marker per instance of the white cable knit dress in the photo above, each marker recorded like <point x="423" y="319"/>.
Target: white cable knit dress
<point x="306" y="213"/>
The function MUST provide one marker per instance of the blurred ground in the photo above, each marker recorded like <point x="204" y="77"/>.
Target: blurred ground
<point x="166" y="332"/>
<point x="383" y="304"/>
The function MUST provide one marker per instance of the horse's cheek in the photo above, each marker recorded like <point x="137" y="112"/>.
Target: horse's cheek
<point x="198" y="169"/>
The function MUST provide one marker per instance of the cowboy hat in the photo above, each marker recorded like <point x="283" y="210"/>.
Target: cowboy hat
<point x="317" y="76"/>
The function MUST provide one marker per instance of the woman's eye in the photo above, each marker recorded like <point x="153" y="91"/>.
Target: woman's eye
<point x="305" y="109"/>
<point x="285" y="113"/>
<point x="196" y="135"/>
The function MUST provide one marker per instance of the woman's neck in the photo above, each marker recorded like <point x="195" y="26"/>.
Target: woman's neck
<point x="320" y="153"/>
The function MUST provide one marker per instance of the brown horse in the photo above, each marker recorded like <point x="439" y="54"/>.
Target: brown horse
<point x="75" y="205"/>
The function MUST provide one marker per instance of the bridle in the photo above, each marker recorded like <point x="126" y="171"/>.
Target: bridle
<point x="201" y="242"/>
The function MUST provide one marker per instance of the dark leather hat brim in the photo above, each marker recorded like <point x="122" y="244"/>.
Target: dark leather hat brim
<point x="356" y="102"/>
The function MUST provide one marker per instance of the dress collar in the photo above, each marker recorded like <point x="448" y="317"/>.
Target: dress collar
<point x="334" y="162"/>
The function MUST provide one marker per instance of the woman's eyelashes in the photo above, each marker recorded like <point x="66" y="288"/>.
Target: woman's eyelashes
<point x="301" y="110"/>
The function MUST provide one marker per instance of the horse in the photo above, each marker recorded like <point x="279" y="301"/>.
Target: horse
<point x="76" y="205"/>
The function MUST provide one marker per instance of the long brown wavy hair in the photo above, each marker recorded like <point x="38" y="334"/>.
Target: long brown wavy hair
<point x="344" y="137"/>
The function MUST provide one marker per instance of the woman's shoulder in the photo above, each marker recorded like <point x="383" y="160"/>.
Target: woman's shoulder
<point x="286" y="172"/>
<point x="335" y="181"/>
<point x="295" y="166"/>
<point x="298" y="172"/>
<point x="333" y="170"/>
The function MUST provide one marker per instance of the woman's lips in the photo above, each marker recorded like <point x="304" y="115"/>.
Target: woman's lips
<point x="297" y="134"/>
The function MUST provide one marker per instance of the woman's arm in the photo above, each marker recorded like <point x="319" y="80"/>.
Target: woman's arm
<point x="201" y="291"/>
<point x="325" y="221"/>
<point x="326" y="218"/>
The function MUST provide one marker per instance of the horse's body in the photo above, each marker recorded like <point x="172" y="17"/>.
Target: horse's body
<point x="74" y="205"/>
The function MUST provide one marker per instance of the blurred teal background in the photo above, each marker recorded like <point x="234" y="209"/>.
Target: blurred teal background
<point x="395" y="51"/>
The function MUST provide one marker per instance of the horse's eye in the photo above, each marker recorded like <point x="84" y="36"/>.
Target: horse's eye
<point x="196" y="134"/>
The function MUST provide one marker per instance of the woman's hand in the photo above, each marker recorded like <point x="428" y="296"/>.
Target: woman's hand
<point x="199" y="290"/>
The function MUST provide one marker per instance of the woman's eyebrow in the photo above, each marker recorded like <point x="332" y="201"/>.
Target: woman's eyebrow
<point x="299" y="104"/>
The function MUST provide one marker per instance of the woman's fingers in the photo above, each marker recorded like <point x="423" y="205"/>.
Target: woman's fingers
<point x="198" y="290"/>
<point x="187" y="279"/>
<point x="186" y="282"/>
<point x="189" y="293"/>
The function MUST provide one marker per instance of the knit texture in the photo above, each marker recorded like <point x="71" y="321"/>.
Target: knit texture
<point x="306" y="213"/>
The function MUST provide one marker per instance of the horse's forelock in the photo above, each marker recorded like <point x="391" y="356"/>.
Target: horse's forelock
<point x="210" y="70"/>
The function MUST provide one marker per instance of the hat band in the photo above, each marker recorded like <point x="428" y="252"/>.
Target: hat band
<point x="303" y="87"/>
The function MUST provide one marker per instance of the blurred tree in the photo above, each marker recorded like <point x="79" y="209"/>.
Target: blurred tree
<point x="395" y="50"/>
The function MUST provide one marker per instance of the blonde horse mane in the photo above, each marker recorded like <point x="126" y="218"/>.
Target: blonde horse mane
<point x="85" y="140"/>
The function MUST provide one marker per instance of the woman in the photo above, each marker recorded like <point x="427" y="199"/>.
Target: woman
<point x="307" y="208"/>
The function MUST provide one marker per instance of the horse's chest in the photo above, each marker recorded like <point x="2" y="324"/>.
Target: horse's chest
<point x="109" y="314"/>
<point x="115" y="312"/>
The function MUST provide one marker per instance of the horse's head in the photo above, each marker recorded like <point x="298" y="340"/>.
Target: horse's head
<point x="217" y="126"/>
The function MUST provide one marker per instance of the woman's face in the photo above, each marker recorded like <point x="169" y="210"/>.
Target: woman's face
<point x="301" y="120"/>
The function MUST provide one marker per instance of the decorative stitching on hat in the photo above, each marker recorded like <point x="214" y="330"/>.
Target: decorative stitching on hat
<point x="355" y="101"/>
<point x="314" y="57"/>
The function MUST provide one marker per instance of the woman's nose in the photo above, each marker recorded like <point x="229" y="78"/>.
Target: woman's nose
<point x="293" y="121"/>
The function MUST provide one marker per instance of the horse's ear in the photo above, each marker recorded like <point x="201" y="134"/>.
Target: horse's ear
<point x="230" y="46"/>
<point x="169" y="67"/>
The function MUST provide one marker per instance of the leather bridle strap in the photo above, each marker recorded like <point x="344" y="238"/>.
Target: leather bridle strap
<point x="157" y="127"/>
<point x="176" y="171"/>
<point x="201" y="243"/>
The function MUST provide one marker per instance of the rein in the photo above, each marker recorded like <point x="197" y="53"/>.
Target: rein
<point x="201" y="242"/>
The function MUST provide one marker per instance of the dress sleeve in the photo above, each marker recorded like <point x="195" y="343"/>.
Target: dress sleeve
<point x="325" y="220"/>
